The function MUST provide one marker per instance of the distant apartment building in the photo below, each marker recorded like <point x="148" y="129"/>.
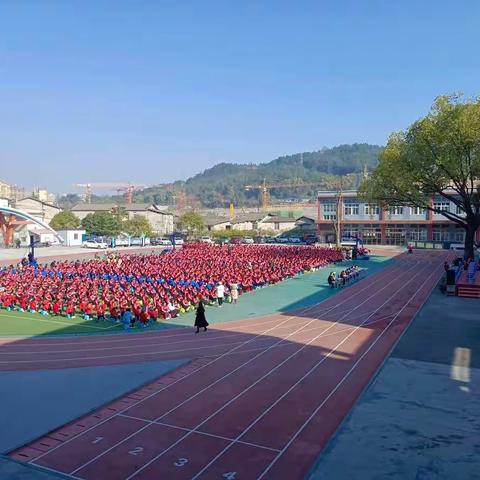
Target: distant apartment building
<point x="160" y="220"/>
<point x="11" y="192"/>
<point x="395" y="226"/>
<point x="44" y="195"/>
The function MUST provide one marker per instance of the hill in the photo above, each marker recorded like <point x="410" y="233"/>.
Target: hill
<point x="215" y="186"/>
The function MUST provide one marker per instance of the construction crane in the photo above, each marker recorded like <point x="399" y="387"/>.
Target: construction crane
<point x="127" y="188"/>
<point x="264" y="188"/>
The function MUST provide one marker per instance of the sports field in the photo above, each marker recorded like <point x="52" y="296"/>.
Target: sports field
<point x="259" y="399"/>
<point x="300" y="291"/>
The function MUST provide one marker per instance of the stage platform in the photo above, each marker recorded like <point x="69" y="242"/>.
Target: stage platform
<point x="466" y="288"/>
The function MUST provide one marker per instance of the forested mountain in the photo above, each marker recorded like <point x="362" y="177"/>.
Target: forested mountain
<point x="217" y="185"/>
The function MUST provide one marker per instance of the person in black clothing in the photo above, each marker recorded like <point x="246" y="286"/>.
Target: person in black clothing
<point x="200" y="319"/>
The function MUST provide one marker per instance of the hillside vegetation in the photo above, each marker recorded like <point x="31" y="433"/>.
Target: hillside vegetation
<point x="215" y="186"/>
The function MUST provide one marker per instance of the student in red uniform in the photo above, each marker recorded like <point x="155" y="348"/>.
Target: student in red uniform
<point x="56" y="308"/>
<point x="114" y="314"/>
<point x="101" y="308"/>
<point x="70" y="311"/>
<point x="144" y="316"/>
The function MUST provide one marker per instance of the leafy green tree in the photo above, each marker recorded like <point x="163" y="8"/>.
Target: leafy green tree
<point x="103" y="224"/>
<point x="64" y="220"/>
<point x="138" y="226"/>
<point x="192" y="222"/>
<point x="438" y="155"/>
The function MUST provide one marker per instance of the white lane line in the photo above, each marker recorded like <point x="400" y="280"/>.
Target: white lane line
<point x="216" y="359"/>
<point x="133" y="346"/>
<point x="311" y="307"/>
<point x="156" y="335"/>
<point x="163" y="352"/>
<point x="176" y="427"/>
<point x="295" y="384"/>
<point x="216" y="381"/>
<point x="354" y="366"/>
<point x="248" y="388"/>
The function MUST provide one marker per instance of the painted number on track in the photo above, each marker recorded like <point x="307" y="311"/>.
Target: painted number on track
<point x="97" y="440"/>
<point x="230" y="475"/>
<point x="181" y="462"/>
<point x="136" y="451"/>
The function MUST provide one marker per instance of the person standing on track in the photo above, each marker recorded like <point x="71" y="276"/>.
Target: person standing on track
<point x="200" y="319"/>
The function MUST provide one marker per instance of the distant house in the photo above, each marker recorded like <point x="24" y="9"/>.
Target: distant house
<point x="305" y="223"/>
<point x="217" y="223"/>
<point x="247" y="221"/>
<point x="251" y="221"/>
<point x="276" y="223"/>
<point x="161" y="221"/>
<point x="35" y="207"/>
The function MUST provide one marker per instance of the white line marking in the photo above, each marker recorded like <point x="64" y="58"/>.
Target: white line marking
<point x="84" y="358"/>
<point x="332" y="350"/>
<point x="379" y="278"/>
<point x="251" y="386"/>
<point x="299" y="431"/>
<point x="163" y="424"/>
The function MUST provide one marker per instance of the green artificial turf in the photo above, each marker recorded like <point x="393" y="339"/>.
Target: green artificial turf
<point x="293" y="293"/>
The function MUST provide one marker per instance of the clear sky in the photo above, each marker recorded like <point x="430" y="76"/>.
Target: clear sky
<point x="154" y="90"/>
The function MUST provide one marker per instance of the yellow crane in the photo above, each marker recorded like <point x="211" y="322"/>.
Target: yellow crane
<point x="127" y="188"/>
<point x="264" y="188"/>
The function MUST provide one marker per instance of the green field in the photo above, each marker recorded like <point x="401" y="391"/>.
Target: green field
<point x="293" y="293"/>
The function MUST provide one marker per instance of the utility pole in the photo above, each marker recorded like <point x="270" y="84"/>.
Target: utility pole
<point x="337" y="222"/>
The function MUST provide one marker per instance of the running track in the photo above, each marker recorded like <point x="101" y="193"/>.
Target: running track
<point x="259" y="401"/>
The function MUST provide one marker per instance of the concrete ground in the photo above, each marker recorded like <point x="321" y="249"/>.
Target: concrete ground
<point x="34" y="403"/>
<point x="420" y="417"/>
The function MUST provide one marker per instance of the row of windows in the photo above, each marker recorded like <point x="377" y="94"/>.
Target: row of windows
<point x="399" y="235"/>
<point x="330" y="209"/>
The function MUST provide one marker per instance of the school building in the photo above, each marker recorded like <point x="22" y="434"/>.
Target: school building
<point x="395" y="226"/>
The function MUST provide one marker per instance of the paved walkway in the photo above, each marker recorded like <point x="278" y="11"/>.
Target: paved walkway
<point x="34" y="403"/>
<point x="419" y="419"/>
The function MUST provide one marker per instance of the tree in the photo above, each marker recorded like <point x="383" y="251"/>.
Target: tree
<point x="138" y="226"/>
<point x="438" y="155"/>
<point x="192" y="222"/>
<point x="64" y="220"/>
<point x="102" y="224"/>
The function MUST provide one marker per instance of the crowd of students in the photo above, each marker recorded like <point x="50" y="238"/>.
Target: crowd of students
<point x="153" y="286"/>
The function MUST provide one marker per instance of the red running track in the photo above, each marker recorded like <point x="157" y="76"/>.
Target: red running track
<point x="261" y="399"/>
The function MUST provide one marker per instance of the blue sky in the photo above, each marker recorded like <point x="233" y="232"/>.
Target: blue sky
<point x="153" y="91"/>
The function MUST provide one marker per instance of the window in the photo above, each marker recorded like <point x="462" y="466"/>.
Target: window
<point x="351" y="208"/>
<point x="329" y="211"/>
<point x="445" y="206"/>
<point x="395" y="235"/>
<point x="459" y="210"/>
<point x="396" y="210"/>
<point x="459" y="234"/>
<point x="417" y="233"/>
<point x="441" y="233"/>
<point x="372" y="235"/>
<point x="372" y="209"/>
<point x="418" y="211"/>
<point x="75" y="236"/>
<point x="350" y="231"/>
